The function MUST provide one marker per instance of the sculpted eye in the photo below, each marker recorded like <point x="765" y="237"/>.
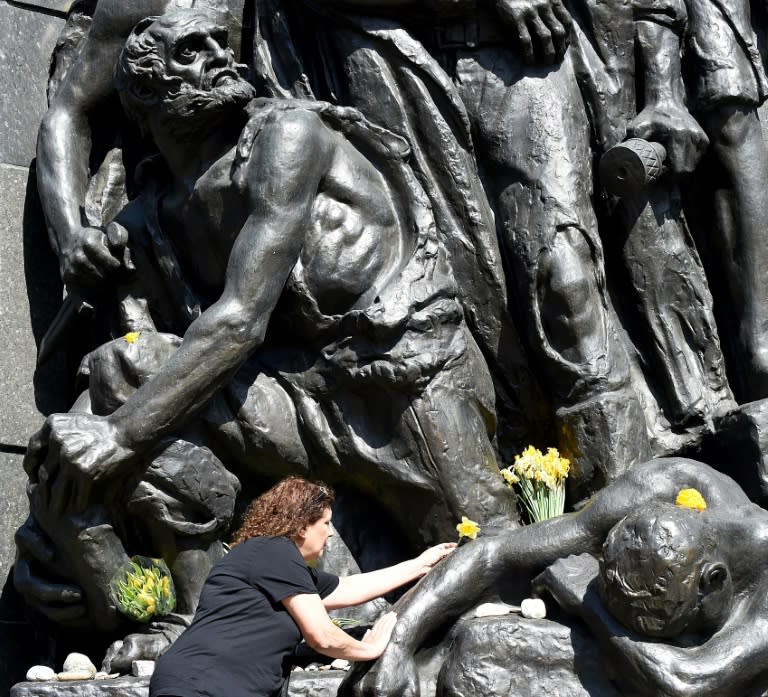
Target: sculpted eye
<point x="186" y="53"/>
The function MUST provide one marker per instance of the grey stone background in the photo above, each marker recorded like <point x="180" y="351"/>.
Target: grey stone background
<point x="29" y="291"/>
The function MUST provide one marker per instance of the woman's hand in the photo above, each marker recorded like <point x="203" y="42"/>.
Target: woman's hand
<point x="429" y="557"/>
<point x="378" y="636"/>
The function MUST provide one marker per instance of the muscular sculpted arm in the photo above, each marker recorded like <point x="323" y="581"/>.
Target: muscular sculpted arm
<point x="664" y="117"/>
<point x="64" y="142"/>
<point x="295" y="152"/>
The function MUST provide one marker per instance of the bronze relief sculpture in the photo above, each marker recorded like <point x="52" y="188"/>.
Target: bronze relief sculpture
<point x="371" y="242"/>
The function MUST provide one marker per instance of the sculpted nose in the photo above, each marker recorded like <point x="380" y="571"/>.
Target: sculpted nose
<point x="219" y="54"/>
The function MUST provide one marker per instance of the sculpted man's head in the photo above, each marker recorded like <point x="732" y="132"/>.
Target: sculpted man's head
<point x="178" y="67"/>
<point x="662" y="575"/>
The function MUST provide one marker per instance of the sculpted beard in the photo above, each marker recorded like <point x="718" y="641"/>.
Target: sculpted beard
<point x="189" y="110"/>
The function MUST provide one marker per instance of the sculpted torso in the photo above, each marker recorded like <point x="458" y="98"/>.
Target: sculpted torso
<point x="351" y="237"/>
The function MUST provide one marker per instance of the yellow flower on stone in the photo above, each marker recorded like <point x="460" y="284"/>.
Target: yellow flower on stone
<point x="691" y="498"/>
<point x="467" y="528"/>
<point x="132" y="337"/>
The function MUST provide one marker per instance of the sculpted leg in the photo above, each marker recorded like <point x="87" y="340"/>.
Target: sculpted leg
<point x="601" y="426"/>
<point x="455" y="430"/>
<point x="736" y="138"/>
<point x="540" y="184"/>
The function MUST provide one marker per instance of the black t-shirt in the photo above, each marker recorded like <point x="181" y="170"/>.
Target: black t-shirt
<point x="242" y="638"/>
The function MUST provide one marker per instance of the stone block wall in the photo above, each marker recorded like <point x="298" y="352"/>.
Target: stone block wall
<point x="30" y="292"/>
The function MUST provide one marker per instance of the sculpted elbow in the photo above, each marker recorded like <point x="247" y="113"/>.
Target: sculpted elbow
<point x="678" y="682"/>
<point x="236" y="327"/>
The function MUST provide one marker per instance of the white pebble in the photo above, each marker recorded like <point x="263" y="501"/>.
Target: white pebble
<point x="492" y="610"/>
<point x="533" y="608"/>
<point x="142" y="669"/>
<point x="79" y="662"/>
<point x="101" y="675"/>
<point x="340" y="664"/>
<point x="40" y="673"/>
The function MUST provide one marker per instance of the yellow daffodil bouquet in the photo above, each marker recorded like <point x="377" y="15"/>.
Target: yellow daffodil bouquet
<point x="143" y="588"/>
<point x="540" y="481"/>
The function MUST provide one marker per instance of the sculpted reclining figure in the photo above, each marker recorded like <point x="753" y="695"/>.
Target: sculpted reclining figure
<point x="291" y="246"/>
<point x="678" y="604"/>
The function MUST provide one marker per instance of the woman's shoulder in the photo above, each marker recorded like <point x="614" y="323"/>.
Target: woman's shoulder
<point x="267" y="545"/>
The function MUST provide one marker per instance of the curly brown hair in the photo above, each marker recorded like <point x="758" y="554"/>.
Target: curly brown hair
<point x="286" y="508"/>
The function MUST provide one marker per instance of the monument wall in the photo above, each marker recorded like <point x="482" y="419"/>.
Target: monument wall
<point x="30" y="290"/>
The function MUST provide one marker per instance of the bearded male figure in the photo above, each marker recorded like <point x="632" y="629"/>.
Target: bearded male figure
<point x="296" y="254"/>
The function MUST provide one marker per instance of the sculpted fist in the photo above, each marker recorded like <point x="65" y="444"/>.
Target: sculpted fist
<point x="671" y="125"/>
<point x="542" y="28"/>
<point x="135" y="647"/>
<point x="73" y="452"/>
<point x="86" y="258"/>
<point x="35" y="578"/>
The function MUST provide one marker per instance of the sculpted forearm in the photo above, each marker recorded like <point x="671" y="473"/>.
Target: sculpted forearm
<point x="654" y="669"/>
<point x="659" y="47"/>
<point x="444" y="594"/>
<point x="214" y="347"/>
<point x="62" y="159"/>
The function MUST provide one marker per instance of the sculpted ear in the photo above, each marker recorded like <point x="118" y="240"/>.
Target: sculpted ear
<point x="714" y="577"/>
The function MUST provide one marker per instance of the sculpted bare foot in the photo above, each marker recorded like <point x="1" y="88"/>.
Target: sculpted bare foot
<point x="135" y="647"/>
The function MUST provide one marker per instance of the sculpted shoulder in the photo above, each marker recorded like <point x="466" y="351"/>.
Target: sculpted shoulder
<point x="290" y="137"/>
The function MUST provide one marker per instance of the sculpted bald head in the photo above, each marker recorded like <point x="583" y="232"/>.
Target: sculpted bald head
<point x="661" y="574"/>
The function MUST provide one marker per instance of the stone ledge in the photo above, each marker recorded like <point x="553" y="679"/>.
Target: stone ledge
<point x="303" y="684"/>
<point x="118" y="687"/>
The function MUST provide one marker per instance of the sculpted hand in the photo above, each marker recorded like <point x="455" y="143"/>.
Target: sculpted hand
<point x="541" y="27"/>
<point x="567" y="581"/>
<point x="392" y="675"/>
<point x="57" y="600"/>
<point x="429" y="557"/>
<point x="87" y="257"/>
<point x="69" y="455"/>
<point x="671" y="125"/>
